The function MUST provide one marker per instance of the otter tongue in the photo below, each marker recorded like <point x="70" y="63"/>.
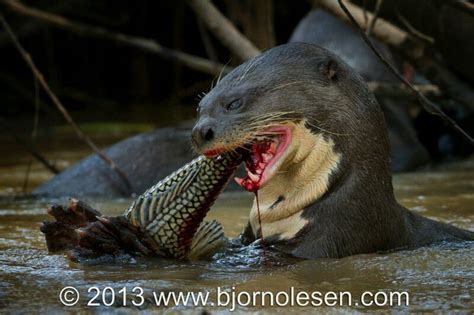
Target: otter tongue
<point x="260" y="155"/>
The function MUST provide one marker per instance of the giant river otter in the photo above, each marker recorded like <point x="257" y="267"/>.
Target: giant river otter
<point x="316" y="149"/>
<point x="318" y="156"/>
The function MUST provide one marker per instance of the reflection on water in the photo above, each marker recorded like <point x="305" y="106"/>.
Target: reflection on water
<point x="437" y="278"/>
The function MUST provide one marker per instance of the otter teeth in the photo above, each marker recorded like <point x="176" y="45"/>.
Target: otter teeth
<point x="239" y="181"/>
<point x="253" y="177"/>
<point x="266" y="157"/>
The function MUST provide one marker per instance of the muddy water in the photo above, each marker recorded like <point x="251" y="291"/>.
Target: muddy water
<point x="436" y="278"/>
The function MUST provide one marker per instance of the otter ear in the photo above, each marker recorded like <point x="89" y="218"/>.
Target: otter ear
<point x="329" y="69"/>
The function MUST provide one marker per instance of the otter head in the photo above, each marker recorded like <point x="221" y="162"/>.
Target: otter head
<point x="305" y="121"/>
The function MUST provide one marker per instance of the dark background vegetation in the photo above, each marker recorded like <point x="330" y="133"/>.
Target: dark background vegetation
<point x="100" y="80"/>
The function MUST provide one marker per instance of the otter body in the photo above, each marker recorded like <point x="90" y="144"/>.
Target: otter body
<point x="318" y="156"/>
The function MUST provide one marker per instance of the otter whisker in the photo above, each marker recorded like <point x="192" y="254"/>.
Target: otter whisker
<point x="248" y="68"/>
<point x="222" y="71"/>
<point x="285" y="85"/>
<point x="328" y="131"/>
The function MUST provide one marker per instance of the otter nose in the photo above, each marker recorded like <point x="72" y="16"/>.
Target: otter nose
<point x="202" y="133"/>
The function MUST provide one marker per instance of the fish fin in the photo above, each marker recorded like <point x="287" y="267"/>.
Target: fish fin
<point x="208" y="239"/>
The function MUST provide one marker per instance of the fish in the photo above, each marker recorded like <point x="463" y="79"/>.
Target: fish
<point x="172" y="211"/>
<point x="166" y="221"/>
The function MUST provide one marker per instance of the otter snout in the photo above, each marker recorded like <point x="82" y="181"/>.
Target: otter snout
<point x="203" y="133"/>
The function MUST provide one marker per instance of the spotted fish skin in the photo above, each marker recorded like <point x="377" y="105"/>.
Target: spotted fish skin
<point x="171" y="211"/>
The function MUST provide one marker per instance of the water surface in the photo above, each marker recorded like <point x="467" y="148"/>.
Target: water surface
<point x="437" y="278"/>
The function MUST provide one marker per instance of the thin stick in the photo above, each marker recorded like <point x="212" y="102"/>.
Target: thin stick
<point x="411" y="49"/>
<point x="400" y="90"/>
<point x="145" y="44"/>
<point x="426" y="103"/>
<point x="413" y="30"/>
<point x="223" y="29"/>
<point x="206" y="40"/>
<point x="378" y="5"/>
<point x="39" y="76"/>
<point x="384" y="31"/>
<point x="366" y="19"/>
<point x="33" y="133"/>
<point x="28" y="147"/>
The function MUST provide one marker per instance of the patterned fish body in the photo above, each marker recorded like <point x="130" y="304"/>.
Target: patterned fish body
<point x="172" y="211"/>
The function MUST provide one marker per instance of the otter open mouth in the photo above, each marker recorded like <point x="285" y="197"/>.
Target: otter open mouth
<point x="264" y="157"/>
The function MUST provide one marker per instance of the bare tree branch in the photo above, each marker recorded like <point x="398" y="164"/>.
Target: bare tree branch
<point x="384" y="31"/>
<point x="224" y="30"/>
<point x="366" y="18"/>
<point x="413" y="30"/>
<point x="425" y="102"/>
<point x="145" y="44"/>
<point x="34" y="133"/>
<point x="29" y="147"/>
<point x="378" y="6"/>
<point x="39" y="76"/>
<point x="400" y="90"/>
<point x="410" y="49"/>
<point x="206" y="40"/>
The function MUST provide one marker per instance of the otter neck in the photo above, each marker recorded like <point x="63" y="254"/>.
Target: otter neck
<point x="300" y="181"/>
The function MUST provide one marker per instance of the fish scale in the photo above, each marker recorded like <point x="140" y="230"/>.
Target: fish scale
<point x="171" y="212"/>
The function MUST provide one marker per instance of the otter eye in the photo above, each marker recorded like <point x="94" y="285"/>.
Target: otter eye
<point x="234" y="104"/>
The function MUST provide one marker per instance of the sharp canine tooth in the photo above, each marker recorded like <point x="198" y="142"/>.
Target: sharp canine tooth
<point x="273" y="146"/>
<point x="259" y="171"/>
<point x="267" y="157"/>
<point x="262" y="165"/>
<point x="239" y="180"/>
<point x="253" y="177"/>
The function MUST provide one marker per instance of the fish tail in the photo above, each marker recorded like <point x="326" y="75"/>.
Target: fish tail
<point x="208" y="238"/>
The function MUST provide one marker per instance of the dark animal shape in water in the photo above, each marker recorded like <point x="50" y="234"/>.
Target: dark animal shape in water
<point x="323" y="29"/>
<point x="145" y="159"/>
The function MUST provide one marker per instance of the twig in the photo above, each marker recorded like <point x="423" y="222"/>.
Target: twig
<point x="384" y="31"/>
<point x="33" y="133"/>
<point x="378" y="5"/>
<point x="426" y="103"/>
<point x="223" y="29"/>
<point x="145" y="44"/>
<point x="413" y="30"/>
<point x="366" y="18"/>
<point x="400" y="90"/>
<point x="28" y="147"/>
<point x="39" y="76"/>
<point x="411" y="50"/>
<point x="464" y="5"/>
<point x="206" y="40"/>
